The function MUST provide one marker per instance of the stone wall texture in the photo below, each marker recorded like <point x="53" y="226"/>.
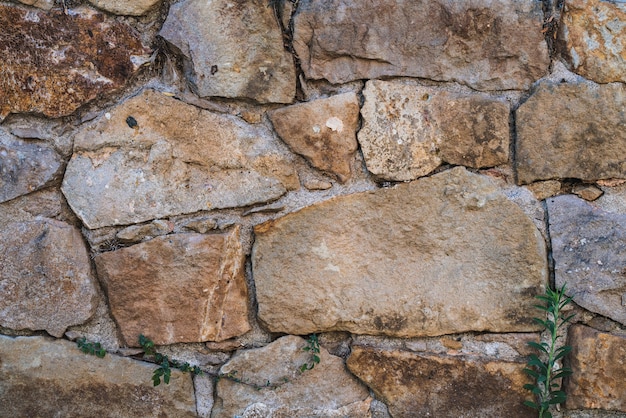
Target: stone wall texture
<point x="331" y="208"/>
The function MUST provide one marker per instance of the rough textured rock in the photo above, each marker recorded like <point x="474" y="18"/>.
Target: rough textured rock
<point x="45" y="277"/>
<point x="126" y="7"/>
<point x="486" y="44"/>
<point x="558" y="137"/>
<point x="587" y="191"/>
<point x="270" y="384"/>
<point x="232" y="49"/>
<point x="142" y="164"/>
<point x="25" y="166"/>
<point x="409" y="129"/>
<point x="64" y="62"/>
<point x="323" y="131"/>
<point x="178" y="288"/>
<point x="44" y="378"/>
<point x="591" y="39"/>
<point x="135" y="233"/>
<point x="589" y="250"/>
<point x="421" y="385"/>
<point x="598" y="370"/>
<point x="545" y="189"/>
<point x="42" y="4"/>
<point x="440" y="255"/>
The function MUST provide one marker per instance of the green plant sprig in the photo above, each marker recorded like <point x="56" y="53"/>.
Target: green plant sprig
<point x="95" y="349"/>
<point x="165" y="364"/>
<point x="313" y="346"/>
<point x="546" y="389"/>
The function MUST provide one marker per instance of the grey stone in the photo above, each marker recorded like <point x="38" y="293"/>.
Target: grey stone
<point x="486" y="44"/>
<point x="589" y="250"/>
<point x="444" y="254"/>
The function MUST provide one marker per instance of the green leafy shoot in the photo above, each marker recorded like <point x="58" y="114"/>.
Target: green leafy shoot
<point x="95" y="349"/>
<point x="164" y="371"/>
<point x="541" y="367"/>
<point x="313" y="346"/>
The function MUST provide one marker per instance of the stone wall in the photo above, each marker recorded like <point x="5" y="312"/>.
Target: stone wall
<point x="231" y="177"/>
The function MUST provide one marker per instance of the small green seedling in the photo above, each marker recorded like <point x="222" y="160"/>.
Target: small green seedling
<point x="95" y="349"/>
<point x="546" y="389"/>
<point x="165" y="364"/>
<point x="313" y="346"/>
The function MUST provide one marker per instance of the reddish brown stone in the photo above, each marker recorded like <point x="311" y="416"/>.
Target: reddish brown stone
<point x="64" y="60"/>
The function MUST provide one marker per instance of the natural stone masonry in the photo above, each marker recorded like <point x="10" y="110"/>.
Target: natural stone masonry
<point x="178" y="288"/>
<point x="425" y="385"/>
<point x="232" y="49"/>
<point x="440" y="255"/>
<point x="485" y="44"/>
<point x="598" y="370"/>
<point x="126" y="7"/>
<point x="40" y="377"/>
<point x="408" y="130"/>
<point x="25" y="166"/>
<point x="591" y="39"/>
<point x="589" y="250"/>
<point x="154" y="156"/>
<point x="323" y="131"/>
<point x="271" y="384"/>
<point x="45" y="277"/>
<point x="572" y="130"/>
<point x="52" y="63"/>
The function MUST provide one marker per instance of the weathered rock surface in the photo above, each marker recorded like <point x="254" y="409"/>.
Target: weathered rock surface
<point x="589" y="250"/>
<point x="486" y="44"/>
<point x="440" y="255"/>
<point x="545" y="189"/>
<point x="155" y="157"/>
<point x="232" y="49"/>
<point x="559" y="137"/>
<point x="323" y="131"/>
<point x="591" y="39"/>
<point x="45" y="277"/>
<point x="42" y="4"/>
<point x="135" y="233"/>
<point x="178" y="288"/>
<point x="408" y="130"/>
<point x="25" y="166"/>
<point x="421" y="385"/>
<point x="126" y="7"/>
<point x="64" y="62"/>
<point x="587" y="191"/>
<point x="269" y="383"/>
<point x="40" y="377"/>
<point x="598" y="370"/>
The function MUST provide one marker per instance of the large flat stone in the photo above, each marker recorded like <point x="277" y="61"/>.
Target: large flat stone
<point x="45" y="277"/>
<point x="486" y="44"/>
<point x="156" y="157"/>
<point x="591" y="39"/>
<point x="323" y="131"/>
<point x="559" y="137"/>
<point x="423" y="385"/>
<point x="232" y="49"/>
<point x="267" y="382"/>
<point x="589" y="250"/>
<point x="440" y="255"/>
<point x="25" y="166"/>
<point x="64" y="61"/>
<point x="178" y="288"/>
<point x="40" y="377"/>
<point x="408" y="129"/>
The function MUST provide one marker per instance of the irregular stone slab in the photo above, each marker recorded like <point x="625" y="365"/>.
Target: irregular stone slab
<point x="267" y="382"/>
<point x="422" y="385"/>
<point x="322" y="131"/>
<point x="64" y="62"/>
<point x="125" y="7"/>
<point x="558" y="137"/>
<point x="45" y="277"/>
<point x="591" y="39"/>
<point x="587" y="191"/>
<point x="178" y="288"/>
<point x="441" y="255"/>
<point x="25" y="166"/>
<point x="486" y="44"/>
<point x="545" y="189"/>
<point x="156" y="157"/>
<point x="43" y="377"/>
<point x="42" y="4"/>
<point x="136" y="233"/>
<point x="589" y="250"/>
<point x="408" y="130"/>
<point x="598" y="370"/>
<point x="232" y="49"/>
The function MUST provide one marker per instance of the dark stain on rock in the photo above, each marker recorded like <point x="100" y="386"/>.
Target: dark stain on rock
<point x="393" y="322"/>
<point x="131" y="122"/>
